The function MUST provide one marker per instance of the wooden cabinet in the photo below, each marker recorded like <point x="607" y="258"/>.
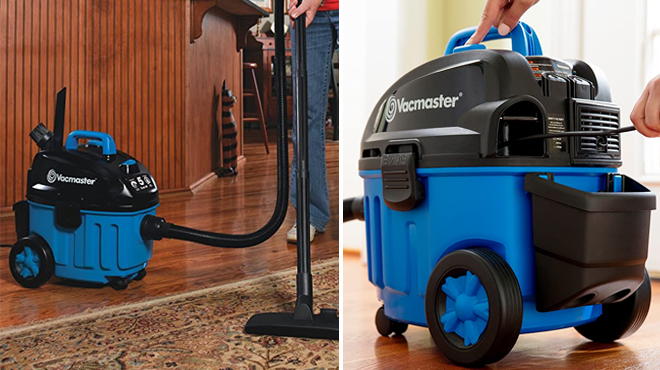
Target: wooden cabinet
<point x="261" y="50"/>
<point x="142" y="71"/>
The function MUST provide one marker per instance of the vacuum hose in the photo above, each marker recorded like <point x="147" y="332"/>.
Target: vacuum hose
<point x="156" y="228"/>
<point x="353" y="209"/>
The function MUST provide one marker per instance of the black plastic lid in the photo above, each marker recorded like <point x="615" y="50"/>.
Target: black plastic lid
<point x="460" y="110"/>
<point x="92" y="181"/>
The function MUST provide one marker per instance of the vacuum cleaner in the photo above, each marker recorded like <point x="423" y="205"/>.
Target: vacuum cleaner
<point x="493" y="206"/>
<point x="90" y="212"/>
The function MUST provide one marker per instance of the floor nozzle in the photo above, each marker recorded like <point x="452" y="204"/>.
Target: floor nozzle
<point x="301" y="323"/>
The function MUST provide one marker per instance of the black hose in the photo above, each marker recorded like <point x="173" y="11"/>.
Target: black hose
<point x="156" y="228"/>
<point x="353" y="209"/>
<point x="568" y="134"/>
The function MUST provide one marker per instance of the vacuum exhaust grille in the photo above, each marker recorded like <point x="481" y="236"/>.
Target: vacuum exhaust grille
<point x="598" y="119"/>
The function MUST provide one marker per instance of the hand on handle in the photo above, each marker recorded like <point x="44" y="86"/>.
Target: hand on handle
<point x="646" y="113"/>
<point x="309" y="7"/>
<point x="502" y="14"/>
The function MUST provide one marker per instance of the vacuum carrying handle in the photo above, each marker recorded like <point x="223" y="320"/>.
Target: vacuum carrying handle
<point x="523" y="40"/>
<point x="106" y="141"/>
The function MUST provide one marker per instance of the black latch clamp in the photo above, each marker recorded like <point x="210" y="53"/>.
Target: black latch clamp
<point x="67" y="214"/>
<point x="402" y="191"/>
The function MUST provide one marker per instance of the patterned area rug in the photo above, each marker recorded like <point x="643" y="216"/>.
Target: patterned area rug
<point x="197" y="330"/>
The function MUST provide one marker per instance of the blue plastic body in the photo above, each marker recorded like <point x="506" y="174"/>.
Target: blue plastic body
<point x="106" y="141"/>
<point x="28" y="263"/>
<point x="106" y="245"/>
<point x="523" y="40"/>
<point x="464" y="207"/>
<point x="467" y="307"/>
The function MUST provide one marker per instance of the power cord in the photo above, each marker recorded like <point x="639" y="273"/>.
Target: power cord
<point x="568" y="134"/>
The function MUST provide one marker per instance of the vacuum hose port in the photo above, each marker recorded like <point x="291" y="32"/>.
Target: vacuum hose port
<point x="353" y="209"/>
<point x="42" y="136"/>
<point x="518" y="121"/>
<point x="154" y="228"/>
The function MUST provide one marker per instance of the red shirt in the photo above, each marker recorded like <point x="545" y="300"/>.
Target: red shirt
<point x="329" y="5"/>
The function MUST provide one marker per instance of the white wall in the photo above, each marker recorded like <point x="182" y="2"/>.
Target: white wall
<point x="620" y="52"/>
<point x="378" y="44"/>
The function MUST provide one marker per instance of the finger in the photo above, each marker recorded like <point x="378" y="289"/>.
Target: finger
<point x="305" y="6"/>
<point x="644" y="130"/>
<point x="293" y="4"/>
<point x="310" y="17"/>
<point x="512" y="15"/>
<point x="647" y="131"/>
<point x="293" y="9"/>
<point x="652" y="108"/>
<point x="638" y="116"/>
<point x="490" y="14"/>
<point x="499" y="17"/>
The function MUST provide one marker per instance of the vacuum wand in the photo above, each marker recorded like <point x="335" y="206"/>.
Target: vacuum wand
<point x="302" y="322"/>
<point x="302" y="166"/>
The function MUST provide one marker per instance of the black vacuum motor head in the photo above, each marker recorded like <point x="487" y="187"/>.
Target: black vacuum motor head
<point x="460" y="109"/>
<point x="89" y="175"/>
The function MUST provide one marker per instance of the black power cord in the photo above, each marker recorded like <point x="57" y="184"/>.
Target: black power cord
<point x="568" y="134"/>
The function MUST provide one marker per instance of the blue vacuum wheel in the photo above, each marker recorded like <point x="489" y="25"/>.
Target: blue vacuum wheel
<point x="31" y="261"/>
<point x="466" y="307"/>
<point x="474" y="307"/>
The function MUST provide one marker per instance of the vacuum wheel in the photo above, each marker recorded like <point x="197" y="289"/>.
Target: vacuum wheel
<point x="620" y="319"/>
<point x="387" y="326"/>
<point x="474" y="307"/>
<point x="31" y="261"/>
<point x="120" y="283"/>
<point x="140" y="275"/>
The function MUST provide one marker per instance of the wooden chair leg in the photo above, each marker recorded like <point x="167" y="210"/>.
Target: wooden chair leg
<point x="260" y="108"/>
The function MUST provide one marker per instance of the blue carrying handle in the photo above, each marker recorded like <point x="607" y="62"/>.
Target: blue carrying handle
<point x="102" y="139"/>
<point x="523" y="40"/>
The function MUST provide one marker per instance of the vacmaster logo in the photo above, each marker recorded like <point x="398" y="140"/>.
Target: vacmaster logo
<point x="53" y="176"/>
<point x="402" y="105"/>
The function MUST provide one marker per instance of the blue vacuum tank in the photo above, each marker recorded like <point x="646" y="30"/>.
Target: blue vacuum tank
<point x="493" y="206"/>
<point x="81" y="219"/>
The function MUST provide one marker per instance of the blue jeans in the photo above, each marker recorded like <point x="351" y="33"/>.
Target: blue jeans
<point x="319" y="66"/>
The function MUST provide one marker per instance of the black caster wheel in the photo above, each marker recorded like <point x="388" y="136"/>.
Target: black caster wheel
<point x="140" y="275"/>
<point x="387" y="326"/>
<point x="31" y="261"/>
<point x="474" y="307"/>
<point x="120" y="283"/>
<point x="620" y="319"/>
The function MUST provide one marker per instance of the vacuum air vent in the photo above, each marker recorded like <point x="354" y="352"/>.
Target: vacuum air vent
<point x="593" y="118"/>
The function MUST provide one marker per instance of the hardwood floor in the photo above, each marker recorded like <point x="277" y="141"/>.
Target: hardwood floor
<point x="364" y="348"/>
<point x="232" y="205"/>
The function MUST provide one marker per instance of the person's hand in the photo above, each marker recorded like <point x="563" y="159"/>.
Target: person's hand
<point x="646" y="112"/>
<point x="503" y="14"/>
<point x="308" y="7"/>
